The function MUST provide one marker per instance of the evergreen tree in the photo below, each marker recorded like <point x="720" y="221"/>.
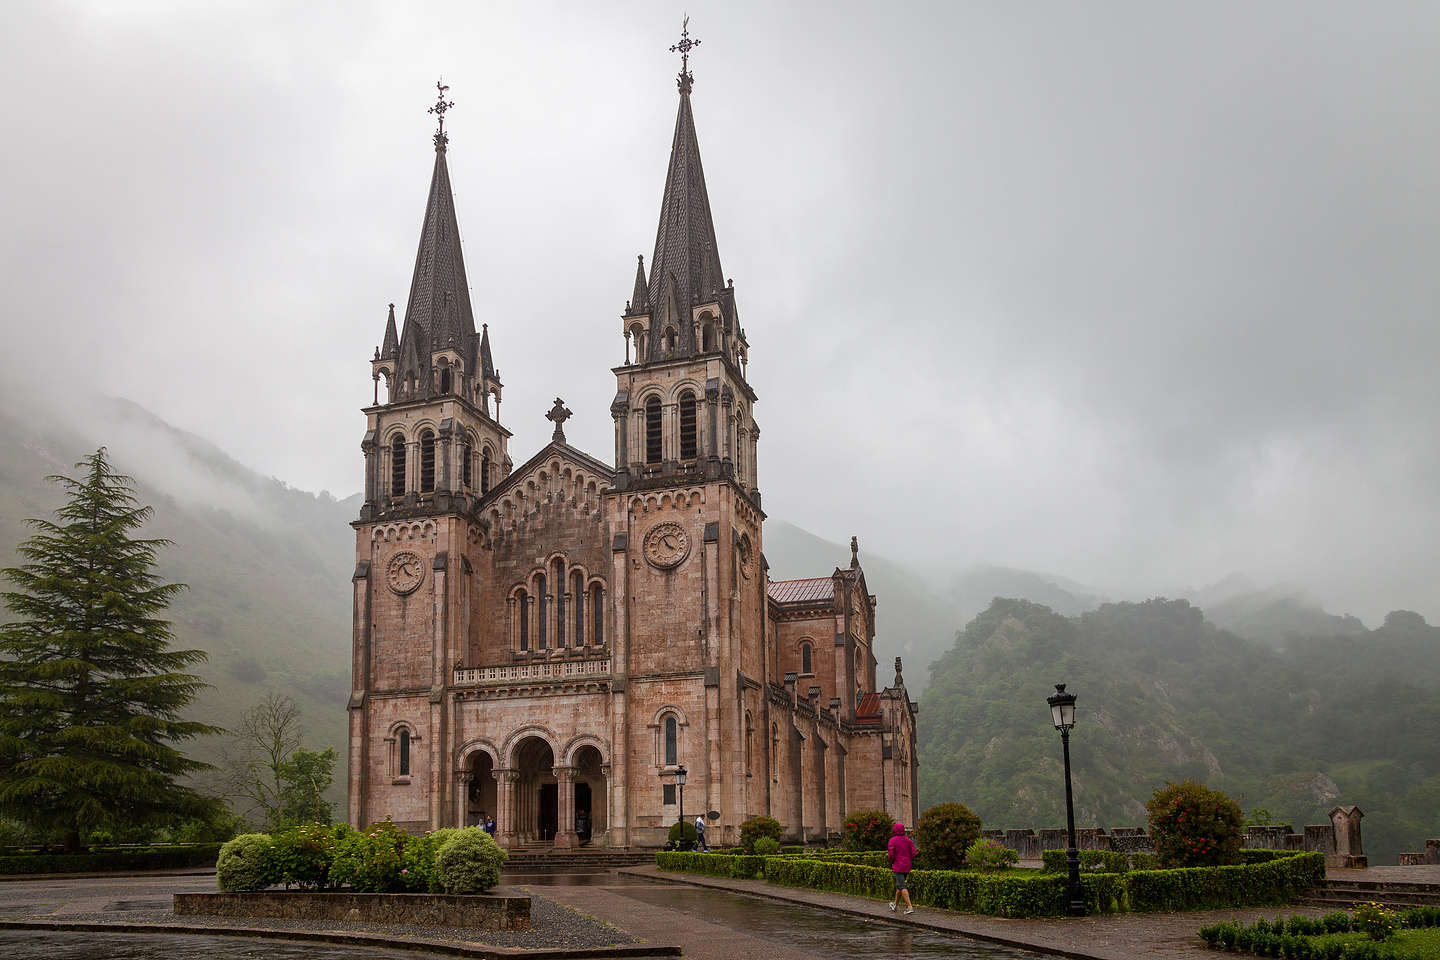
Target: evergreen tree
<point x="90" y="691"/>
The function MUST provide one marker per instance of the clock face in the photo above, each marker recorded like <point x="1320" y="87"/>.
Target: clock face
<point x="405" y="572"/>
<point x="666" y="545"/>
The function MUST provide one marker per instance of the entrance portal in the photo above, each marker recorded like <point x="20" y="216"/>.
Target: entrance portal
<point x="480" y="791"/>
<point x="535" y="793"/>
<point x="591" y="815"/>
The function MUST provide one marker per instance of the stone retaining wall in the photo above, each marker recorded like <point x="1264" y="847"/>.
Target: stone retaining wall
<point x="480" y="912"/>
<point x="1339" y="840"/>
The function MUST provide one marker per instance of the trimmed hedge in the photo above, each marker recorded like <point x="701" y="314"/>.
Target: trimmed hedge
<point x="142" y="858"/>
<point x="1030" y="893"/>
<point x="868" y="858"/>
<point x="1100" y="861"/>
<point x="1316" y="937"/>
<point x="743" y="866"/>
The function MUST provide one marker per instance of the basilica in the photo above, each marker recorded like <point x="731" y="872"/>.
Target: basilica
<point x="561" y="644"/>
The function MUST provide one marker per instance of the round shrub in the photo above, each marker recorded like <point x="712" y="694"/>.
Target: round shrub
<point x="371" y="860"/>
<point x="683" y="835"/>
<point x="469" y="861"/>
<point x="244" y="863"/>
<point x="1194" y="826"/>
<point x="757" y="827"/>
<point x="944" y="833"/>
<point x="766" y="846"/>
<point x="868" y="830"/>
<point x="990" y="855"/>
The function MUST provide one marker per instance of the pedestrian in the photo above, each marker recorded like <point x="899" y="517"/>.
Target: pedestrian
<point x="700" y="834"/>
<point x="490" y="826"/>
<point x="901" y="854"/>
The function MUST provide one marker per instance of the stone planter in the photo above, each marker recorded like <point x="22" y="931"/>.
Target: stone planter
<point x="490" y="911"/>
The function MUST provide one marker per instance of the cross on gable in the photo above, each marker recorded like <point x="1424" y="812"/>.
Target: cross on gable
<point x="558" y="415"/>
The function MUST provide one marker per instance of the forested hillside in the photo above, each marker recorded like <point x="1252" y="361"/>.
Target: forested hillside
<point x="1164" y="695"/>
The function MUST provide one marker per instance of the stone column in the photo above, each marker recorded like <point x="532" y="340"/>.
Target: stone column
<point x="359" y="752"/>
<point x="412" y="466"/>
<point x="505" y="814"/>
<point x="1349" y="852"/>
<point x="463" y="779"/>
<point x="565" y="836"/>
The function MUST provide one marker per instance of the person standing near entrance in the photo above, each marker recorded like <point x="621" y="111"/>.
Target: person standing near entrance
<point x="901" y="853"/>
<point x="700" y="834"/>
<point x="488" y="826"/>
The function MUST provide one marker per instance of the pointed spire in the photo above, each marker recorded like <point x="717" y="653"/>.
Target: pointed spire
<point x="390" y="347"/>
<point x="438" y="313"/>
<point x="640" y="298"/>
<point x="487" y="363"/>
<point x="685" y="250"/>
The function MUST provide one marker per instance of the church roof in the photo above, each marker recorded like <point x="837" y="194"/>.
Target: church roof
<point x="438" y="314"/>
<point x="685" y="267"/>
<point x="869" y="708"/>
<point x="807" y="590"/>
<point x="390" y="347"/>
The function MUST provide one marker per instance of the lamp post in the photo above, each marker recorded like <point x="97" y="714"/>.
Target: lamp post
<point x="1062" y="712"/>
<point x="680" y="785"/>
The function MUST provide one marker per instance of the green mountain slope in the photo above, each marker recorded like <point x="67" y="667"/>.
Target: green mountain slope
<point x="268" y="566"/>
<point x="1164" y="695"/>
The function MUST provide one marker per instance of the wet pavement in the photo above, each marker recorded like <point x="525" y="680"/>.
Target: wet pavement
<point x="45" y="945"/>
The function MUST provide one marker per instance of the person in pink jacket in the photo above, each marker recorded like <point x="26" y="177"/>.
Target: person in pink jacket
<point x="902" y="856"/>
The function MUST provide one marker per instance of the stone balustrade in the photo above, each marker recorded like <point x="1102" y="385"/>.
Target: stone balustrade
<point x="538" y="670"/>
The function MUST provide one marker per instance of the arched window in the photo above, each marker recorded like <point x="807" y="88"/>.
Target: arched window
<point x="404" y="764"/>
<point x="709" y="335"/>
<point x="542" y="630"/>
<point x="485" y="470"/>
<point x="559" y="602"/>
<point x="672" y="741"/>
<point x="652" y="430"/>
<point x="445" y="380"/>
<point x="597" y="615"/>
<point x="427" y="462"/>
<point x="467" y="453"/>
<point x="577" y="590"/>
<point x="688" y="446"/>
<point x="397" y="466"/>
<point x="806" y="663"/>
<point x="522" y="602"/>
<point x="749" y="744"/>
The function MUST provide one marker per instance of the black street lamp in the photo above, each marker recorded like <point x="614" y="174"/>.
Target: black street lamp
<point x="1062" y="711"/>
<point x="680" y="783"/>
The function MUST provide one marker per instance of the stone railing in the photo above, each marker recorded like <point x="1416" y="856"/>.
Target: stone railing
<point x="540" y="670"/>
<point x="1429" y="857"/>
<point x="1339" y="839"/>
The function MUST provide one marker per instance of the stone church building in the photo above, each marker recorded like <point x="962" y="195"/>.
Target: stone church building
<point x="551" y="642"/>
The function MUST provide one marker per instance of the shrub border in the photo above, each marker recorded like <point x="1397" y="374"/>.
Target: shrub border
<point x="147" y="858"/>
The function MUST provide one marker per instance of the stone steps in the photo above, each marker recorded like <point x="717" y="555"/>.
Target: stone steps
<point x="1345" y="894"/>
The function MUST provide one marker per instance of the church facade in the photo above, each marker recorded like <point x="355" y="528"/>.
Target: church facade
<point x="552" y="643"/>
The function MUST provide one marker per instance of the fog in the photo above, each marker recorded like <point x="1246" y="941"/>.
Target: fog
<point x="1137" y="295"/>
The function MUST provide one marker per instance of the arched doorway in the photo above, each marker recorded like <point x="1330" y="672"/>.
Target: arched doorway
<point x="481" y="790"/>
<point x="537" y="797"/>
<point x="591" y="801"/>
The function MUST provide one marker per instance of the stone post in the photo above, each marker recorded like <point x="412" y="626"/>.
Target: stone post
<point x="1348" y="850"/>
<point x="462" y="796"/>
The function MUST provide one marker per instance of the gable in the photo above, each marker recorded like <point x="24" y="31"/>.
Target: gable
<point x="559" y="474"/>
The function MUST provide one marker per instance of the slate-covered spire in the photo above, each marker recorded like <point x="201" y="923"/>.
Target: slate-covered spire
<point x="390" y="346"/>
<point x="487" y="363"/>
<point x="640" y="299"/>
<point x="438" y="314"/>
<point x="685" y="251"/>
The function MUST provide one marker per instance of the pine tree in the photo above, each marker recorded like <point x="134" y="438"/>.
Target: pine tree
<point x="91" y="693"/>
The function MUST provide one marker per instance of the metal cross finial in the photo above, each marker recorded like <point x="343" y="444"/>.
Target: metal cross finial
<point x="441" y="105"/>
<point x="684" y="47"/>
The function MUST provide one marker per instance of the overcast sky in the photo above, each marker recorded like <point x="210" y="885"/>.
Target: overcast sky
<point x="1142" y="294"/>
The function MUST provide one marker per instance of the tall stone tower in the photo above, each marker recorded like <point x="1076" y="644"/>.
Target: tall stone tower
<point x="685" y="505"/>
<point x="433" y="448"/>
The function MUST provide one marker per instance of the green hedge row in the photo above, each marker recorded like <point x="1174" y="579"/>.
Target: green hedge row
<point x="1314" y="938"/>
<point x="1111" y="861"/>
<point x="868" y="858"/>
<point x="1029" y="893"/>
<point x="713" y="864"/>
<point x="1099" y="861"/>
<point x="142" y="858"/>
